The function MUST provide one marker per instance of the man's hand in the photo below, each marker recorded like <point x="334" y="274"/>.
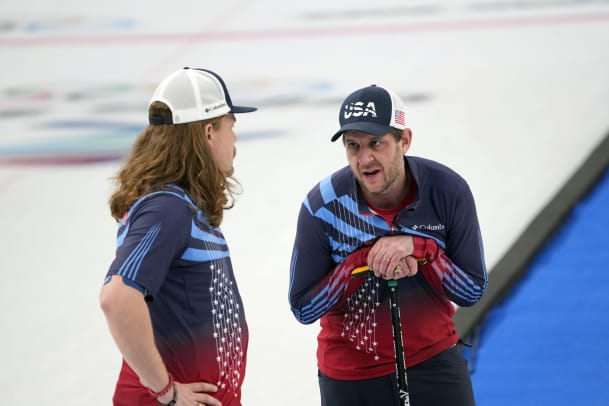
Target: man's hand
<point x="190" y="394"/>
<point x="391" y="257"/>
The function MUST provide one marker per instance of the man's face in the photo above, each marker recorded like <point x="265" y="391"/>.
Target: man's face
<point x="377" y="163"/>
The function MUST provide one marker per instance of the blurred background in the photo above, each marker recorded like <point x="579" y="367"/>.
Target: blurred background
<point x="513" y="95"/>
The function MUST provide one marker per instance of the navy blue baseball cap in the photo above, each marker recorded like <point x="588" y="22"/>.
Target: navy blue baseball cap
<point x="194" y="94"/>
<point x="373" y="110"/>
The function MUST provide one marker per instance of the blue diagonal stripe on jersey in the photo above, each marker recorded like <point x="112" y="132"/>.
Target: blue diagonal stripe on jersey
<point x="292" y="268"/>
<point x="345" y="246"/>
<point x="341" y="249"/>
<point x="307" y="204"/>
<point x="320" y="304"/>
<point x="123" y="228"/>
<point x="308" y="313"/>
<point x="483" y="260"/>
<point x="121" y="235"/>
<point x="325" y="303"/>
<point x="202" y="255"/>
<point x="327" y="190"/>
<point x="347" y="229"/>
<point x="313" y="312"/>
<point x="451" y="287"/>
<point x="131" y="266"/>
<point x="466" y="281"/>
<point x="203" y="235"/>
<point x="461" y="285"/>
<point x="349" y="204"/>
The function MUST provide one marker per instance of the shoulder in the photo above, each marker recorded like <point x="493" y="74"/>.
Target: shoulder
<point x="161" y="204"/>
<point x="330" y="189"/>
<point x="432" y="174"/>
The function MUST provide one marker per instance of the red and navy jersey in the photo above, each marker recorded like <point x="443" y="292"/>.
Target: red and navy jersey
<point x="182" y="264"/>
<point x="356" y="341"/>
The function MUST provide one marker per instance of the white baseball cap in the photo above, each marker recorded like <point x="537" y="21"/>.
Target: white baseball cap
<point x="194" y="94"/>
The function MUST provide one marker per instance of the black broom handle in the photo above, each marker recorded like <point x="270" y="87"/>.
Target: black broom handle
<point x="398" y="344"/>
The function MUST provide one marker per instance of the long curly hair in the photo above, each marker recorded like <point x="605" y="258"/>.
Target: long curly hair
<point x="177" y="154"/>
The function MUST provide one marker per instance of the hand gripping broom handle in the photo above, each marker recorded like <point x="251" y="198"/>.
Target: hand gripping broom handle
<point x="398" y="344"/>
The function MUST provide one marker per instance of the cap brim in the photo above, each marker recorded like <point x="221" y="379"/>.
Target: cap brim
<point x="242" y="109"/>
<point x="371" y="128"/>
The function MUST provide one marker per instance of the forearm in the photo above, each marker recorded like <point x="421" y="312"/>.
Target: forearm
<point x="310" y="304"/>
<point x="465" y="287"/>
<point x="312" y="301"/>
<point x="130" y="325"/>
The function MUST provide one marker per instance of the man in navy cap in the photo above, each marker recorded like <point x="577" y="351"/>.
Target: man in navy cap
<point x="404" y="218"/>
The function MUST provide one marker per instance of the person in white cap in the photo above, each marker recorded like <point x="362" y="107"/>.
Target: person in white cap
<point x="402" y="218"/>
<point x="170" y="296"/>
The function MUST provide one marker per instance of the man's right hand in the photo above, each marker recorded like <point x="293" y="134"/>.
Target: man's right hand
<point x="190" y="394"/>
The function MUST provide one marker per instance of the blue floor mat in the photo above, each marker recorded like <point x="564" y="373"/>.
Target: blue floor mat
<point x="547" y="343"/>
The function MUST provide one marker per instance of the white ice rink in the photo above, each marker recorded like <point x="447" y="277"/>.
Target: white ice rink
<point x="512" y="94"/>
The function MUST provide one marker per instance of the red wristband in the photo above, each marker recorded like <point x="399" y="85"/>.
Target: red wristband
<point x="424" y="249"/>
<point x="165" y="390"/>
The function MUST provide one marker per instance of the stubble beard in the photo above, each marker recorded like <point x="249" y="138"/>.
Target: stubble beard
<point x="390" y="177"/>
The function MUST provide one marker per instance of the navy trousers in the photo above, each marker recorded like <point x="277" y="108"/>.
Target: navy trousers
<point x="442" y="380"/>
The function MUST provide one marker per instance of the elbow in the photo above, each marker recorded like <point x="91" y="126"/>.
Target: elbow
<point x="465" y="293"/>
<point x="305" y="321"/>
<point x="111" y="297"/>
<point x="305" y="310"/>
<point x="107" y="301"/>
<point x="468" y="300"/>
<point x="465" y="303"/>
<point x="302" y="317"/>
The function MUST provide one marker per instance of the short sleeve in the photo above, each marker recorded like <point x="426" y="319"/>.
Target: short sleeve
<point x="156" y="234"/>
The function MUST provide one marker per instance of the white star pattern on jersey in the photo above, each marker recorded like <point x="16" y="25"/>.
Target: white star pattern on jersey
<point x="227" y="329"/>
<point x="359" y="324"/>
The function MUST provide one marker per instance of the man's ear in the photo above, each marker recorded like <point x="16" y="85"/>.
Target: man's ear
<point x="406" y="138"/>
<point x="208" y="132"/>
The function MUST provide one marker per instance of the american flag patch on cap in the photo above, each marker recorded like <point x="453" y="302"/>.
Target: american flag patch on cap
<point x="400" y="117"/>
